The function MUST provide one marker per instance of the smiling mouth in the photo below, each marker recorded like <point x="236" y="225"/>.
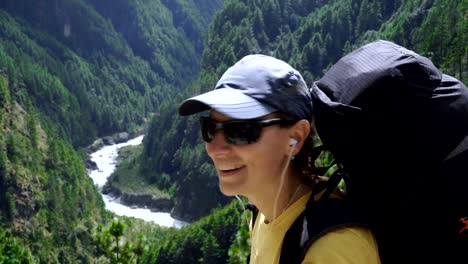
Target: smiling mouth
<point x="230" y="172"/>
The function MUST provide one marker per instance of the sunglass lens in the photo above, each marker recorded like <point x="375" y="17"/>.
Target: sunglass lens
<point x="242" y="132"/>
<point x="208" y="128"/>
<point x="235" y="132"/>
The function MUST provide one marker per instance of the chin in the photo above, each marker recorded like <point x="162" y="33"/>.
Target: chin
<point x="230" y="189"/>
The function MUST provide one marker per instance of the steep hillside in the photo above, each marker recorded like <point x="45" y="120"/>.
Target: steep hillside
<point x="216" y="238"/>
<point x="71" y="71"/>
<point x="47" y="200"/>
<point x="172" y="41"/>
<point x="97" y="71"/>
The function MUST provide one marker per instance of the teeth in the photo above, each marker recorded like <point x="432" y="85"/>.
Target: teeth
<point x="232" y="168"/>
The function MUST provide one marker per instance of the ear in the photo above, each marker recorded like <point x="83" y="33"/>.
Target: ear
<point x="300" y="131"/>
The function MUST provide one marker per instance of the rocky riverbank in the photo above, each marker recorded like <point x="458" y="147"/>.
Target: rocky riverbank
<point x="109" y="140"/>
<point x="134" y="198"/>
<point x="125" y="185"/>
<point x="105" y="141"/>
<point x="140" y="200"/>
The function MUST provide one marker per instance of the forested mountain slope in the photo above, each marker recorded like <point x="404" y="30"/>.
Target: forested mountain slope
<point x="97" y="67"/>
<point x="71" y="71"/>
<point x="47" y="201"/>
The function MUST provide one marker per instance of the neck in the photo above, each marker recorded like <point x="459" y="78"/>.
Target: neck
<point x="292" y="190"/>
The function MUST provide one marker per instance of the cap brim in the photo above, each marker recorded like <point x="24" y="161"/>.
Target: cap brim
<point x="228" y="101"/>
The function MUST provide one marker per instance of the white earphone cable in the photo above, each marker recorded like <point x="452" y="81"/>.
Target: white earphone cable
<point x="283" y="174"/>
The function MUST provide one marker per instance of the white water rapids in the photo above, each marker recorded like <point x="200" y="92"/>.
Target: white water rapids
<point x="105" y="159"/>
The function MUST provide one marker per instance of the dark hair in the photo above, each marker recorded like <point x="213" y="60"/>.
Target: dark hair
<point x="304" y="160"/>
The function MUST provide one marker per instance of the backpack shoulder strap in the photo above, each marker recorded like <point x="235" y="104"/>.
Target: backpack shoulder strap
<point x="250" y="206"/>
<point x="316" y="221"/>
<point x="319" y="217"/>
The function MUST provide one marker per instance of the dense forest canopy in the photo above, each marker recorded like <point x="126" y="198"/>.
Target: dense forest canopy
<point x="97" y="67"/>
<point x="72" y="71"/>
<point x="75" y="70"/>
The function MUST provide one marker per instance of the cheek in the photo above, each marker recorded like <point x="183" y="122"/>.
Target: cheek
<point x="267" y="159"/>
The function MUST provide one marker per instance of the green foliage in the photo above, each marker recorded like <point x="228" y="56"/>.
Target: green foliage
<point x="127" y="240"/>
<point x="442" y="37"/>
<point x="116" y="230"/>
<point x="205" y="241"/>
<point x="110" y="243"/>
<point x="12" y="252"/>
<point x="128" y="179"/>
<point x="75" y="70"/>
<point x="4" y="93"/>
<point x="240" y="248"/>
<point x="90" y="73"/>
<point x="47" y="200"/>
<point x="171" y="41"/>
<point x="70" y="71"/>
<point x="436" y="30"/>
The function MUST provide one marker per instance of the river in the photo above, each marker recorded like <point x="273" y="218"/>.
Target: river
<point x="105" y="159"/>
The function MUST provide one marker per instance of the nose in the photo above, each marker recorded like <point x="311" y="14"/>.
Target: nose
<point x="218" y="146"/>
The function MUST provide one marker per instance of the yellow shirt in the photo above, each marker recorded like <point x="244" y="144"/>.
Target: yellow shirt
<point x="344" y="245"/>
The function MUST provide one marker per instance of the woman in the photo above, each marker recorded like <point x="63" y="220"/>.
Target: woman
<point x="257" y="133"/>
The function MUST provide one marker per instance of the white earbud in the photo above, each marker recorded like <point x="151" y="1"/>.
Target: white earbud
<point x="292" y="142"/>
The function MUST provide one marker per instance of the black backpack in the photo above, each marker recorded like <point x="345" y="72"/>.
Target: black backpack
<point x="399" y="128"/>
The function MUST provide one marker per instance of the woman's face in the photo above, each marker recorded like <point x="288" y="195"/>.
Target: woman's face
<point x="250" y="168"/>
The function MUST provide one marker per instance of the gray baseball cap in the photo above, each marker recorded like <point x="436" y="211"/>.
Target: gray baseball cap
<point x="255" y="86"/>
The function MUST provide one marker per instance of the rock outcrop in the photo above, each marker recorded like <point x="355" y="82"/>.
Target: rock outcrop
<point x="140" y="200"/>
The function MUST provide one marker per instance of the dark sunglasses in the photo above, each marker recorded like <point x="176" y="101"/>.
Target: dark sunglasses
<point x="237" y="132"/>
